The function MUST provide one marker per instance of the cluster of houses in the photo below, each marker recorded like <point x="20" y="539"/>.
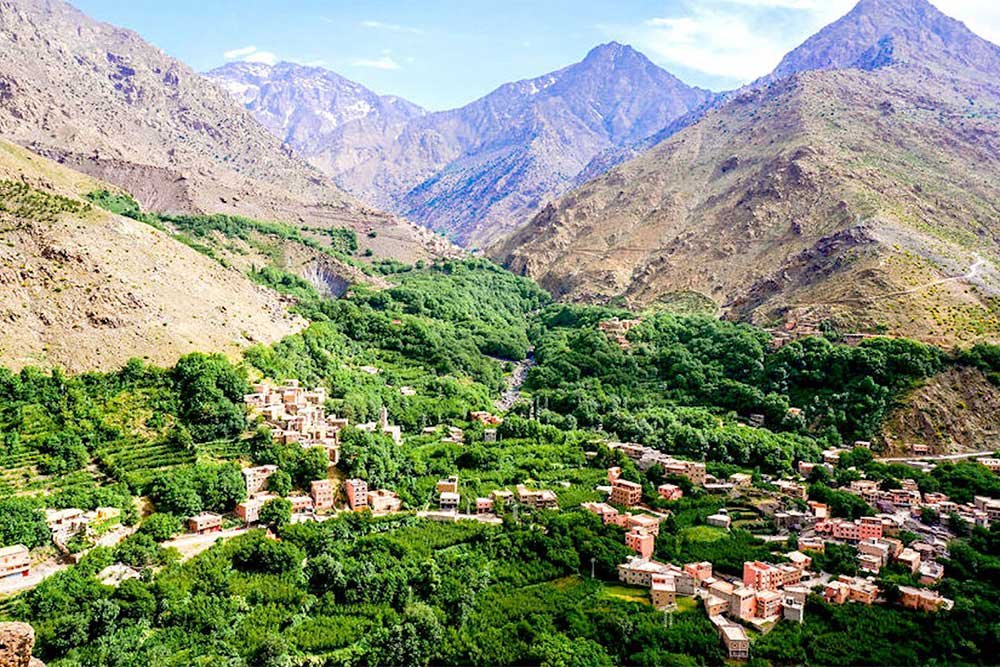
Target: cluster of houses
<point x="297" y="416"/>
<point x="766" y="594"/>
<point x="981" y="512"/>
<point x="647" y="457"/>
<point x="320" y="497"/>
<point x="377" y="501"/>
<point x="641" y="530"/>
<point x="617" y="329"/>
<point x="66" y="523"/>
<point x="15" y="560"/>
<point x="449" y="500"/>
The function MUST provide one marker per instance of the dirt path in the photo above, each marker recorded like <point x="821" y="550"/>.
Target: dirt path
<point x="939" y="457"/>
<point x="192" y="545"/>
<point x="968" y="276"/>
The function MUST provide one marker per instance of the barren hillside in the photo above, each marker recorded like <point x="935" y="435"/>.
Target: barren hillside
<point x="84" y="289"/>
<point x="105" y="102"/>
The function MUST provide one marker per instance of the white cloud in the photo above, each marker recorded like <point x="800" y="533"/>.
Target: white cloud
<point x="239" y="53"/>
<point x="982" y="16"/>
<point x="717" y="43"/>
<point x="385" y="62"/>
<point x="251" y="54"/>
<point x="392" y="27"/>
<point x="265" y="57"/>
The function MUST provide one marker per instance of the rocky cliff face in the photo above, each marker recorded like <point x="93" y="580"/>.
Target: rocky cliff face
<point x="473" y="172"/>
<point x="955" y="412"/>
<point x="105" y="102"/>
<point x="16" y="642"/>
<point x="852" y="194"/>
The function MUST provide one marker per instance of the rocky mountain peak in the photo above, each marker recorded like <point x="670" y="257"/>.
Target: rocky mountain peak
<point x="878" y="33"/>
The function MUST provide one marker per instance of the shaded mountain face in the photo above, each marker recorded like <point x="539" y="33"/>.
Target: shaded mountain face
<point x="867" y="196"/>
<point x="476" y="171"/>
<point x="105" y="102"/>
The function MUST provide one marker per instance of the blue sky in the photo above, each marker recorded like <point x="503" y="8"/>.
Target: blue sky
<point x="445" y="53"/>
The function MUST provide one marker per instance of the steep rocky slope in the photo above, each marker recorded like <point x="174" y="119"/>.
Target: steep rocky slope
<point x="955" y="412"/>
<point x="868" y="197"/>
<point x="878" y="33"/>
<point x="102" y="100"/>
<point x="471" y="172"/>
<point x="84" y="289"/>
<point x="337" y="123"/>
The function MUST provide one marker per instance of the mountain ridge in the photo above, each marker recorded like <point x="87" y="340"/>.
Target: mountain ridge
<point x="807" y="197"/>
<point x="471" y="172"/>
<point x="103" y="101"/>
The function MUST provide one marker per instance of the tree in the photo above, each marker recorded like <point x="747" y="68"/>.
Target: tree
<point x="276" y="513"/>
<point x="210" y="391"/>
<point x="279" y="483"/>
<point x="160" y="526"/>
<point x="21" y="523"/>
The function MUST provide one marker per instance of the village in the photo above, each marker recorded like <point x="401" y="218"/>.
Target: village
<point x="771" y="592"/>
<point x="767" y="593"/>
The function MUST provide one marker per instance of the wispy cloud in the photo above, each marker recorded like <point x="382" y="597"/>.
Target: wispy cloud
<point x="392" y="27"/>
<point x="233" y="54"/>
<point x="384" y="62"/>
<point x="251" y="54"/>
<point x="732" y="41"/>
<point x="737" y="41"/>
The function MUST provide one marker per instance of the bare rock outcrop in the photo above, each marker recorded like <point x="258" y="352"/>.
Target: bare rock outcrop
<point x="16" y="642"/>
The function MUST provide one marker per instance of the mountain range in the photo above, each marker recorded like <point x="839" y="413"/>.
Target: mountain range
<point x="475" y="172"/>
<point x="102" y="100"/>
<point x="855" y="185"/>
<point x="858" y="183"/>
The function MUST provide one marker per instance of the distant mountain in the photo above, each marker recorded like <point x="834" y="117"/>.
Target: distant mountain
<point x="105" y="102"/>
<point x="475" y="172"/>
<point x="880" y="33"/>
<point x="866" y="192"/>
<point x="330" y="119"/>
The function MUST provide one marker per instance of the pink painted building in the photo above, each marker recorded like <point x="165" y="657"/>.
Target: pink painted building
<point x="484" y="506"/>
<point x="300" y="503"/>
<point x="624" y="492"/>
<point x="357" y="494"/>
<point x="203" y="523"/>
<point x="640" y="541"/>
<point x="670" y="492"/>
<point x="321" y="491"/>
<point x="699" y="571"/>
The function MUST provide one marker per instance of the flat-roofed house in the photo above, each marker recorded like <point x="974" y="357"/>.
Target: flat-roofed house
<point x="321" y="491"/>
<point x="206" y="522"/>
<point x="357" y="494"/>
<point x="448" y="501"/>
<point x="640" y="541"/>
<point x="383" y="501"/>
<point x="624" y="492"/>
<point x="15" y="560"/>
